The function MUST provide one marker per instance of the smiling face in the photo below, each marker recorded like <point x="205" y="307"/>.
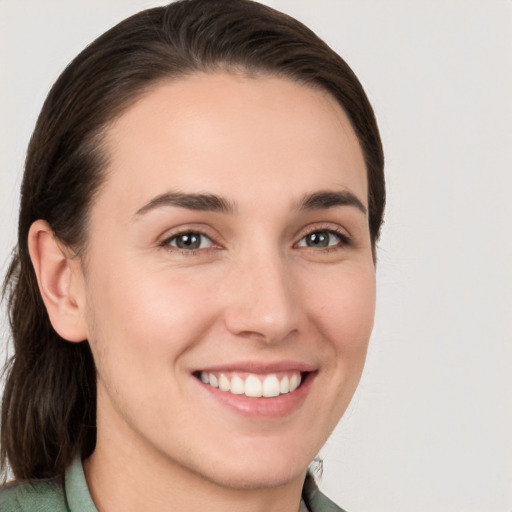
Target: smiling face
<point x="228" y="257"/>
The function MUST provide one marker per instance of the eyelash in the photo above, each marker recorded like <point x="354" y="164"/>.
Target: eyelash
<point x="344" y="240"/>
<point x="167" y="243"/>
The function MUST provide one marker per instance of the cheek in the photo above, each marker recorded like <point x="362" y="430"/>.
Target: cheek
<point x="341" y="306"/>
<point x="140" y="321"/>
<point x="344" y="308"/>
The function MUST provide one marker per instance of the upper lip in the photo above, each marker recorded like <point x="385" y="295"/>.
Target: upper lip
<point x="259" y="367"/>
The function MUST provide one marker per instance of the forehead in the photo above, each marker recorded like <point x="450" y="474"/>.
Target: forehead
<point x="209" y="132"/>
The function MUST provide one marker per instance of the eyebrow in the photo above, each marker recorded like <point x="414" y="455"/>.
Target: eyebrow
<point x="204" y="202"/>
<point x="329" y="199"/>
<point x="209" y="202"/>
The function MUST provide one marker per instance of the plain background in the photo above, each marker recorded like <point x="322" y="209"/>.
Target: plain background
<point x="430" y="428"/>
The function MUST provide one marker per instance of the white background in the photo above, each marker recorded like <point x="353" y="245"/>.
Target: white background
<point x="430" y="428"/>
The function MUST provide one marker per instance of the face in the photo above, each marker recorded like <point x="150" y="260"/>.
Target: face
<point x="228" y="258"/>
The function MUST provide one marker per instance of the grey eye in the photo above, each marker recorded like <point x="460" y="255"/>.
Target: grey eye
<point x="320" y="239"/>
<point x="190" y="241"/>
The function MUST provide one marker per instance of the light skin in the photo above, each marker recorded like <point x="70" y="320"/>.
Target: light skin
<point x="267" y="176"/>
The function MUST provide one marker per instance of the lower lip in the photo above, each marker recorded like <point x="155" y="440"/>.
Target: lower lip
<point x="274" y="407"/>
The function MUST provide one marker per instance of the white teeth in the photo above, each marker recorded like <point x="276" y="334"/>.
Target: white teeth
<point x="284" y="385"/>
<point x="271" y="386"/>
<point x="223" y="383"/>
<point x="253" y="386"/>
<point x="237" y="386"/>
<point x="294" y="382"/>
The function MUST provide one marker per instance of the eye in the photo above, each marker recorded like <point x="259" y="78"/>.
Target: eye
<point x="322" y="239"/>
<point x="189" y="240"/>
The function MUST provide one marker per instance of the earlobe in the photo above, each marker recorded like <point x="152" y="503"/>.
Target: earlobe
<point x="60" y="282"/>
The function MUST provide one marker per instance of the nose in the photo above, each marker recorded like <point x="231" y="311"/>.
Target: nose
<point x="261" y="299"/>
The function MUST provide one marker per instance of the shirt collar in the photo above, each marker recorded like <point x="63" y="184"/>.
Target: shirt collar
<point x="77" y="494"/>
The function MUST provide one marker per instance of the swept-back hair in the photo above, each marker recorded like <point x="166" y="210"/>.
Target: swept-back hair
<point x="49" y="403"/>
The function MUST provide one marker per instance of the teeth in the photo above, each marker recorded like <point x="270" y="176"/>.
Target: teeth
<point x="253" y="386"/>
<point x="294" y="382"/>
<point x="271" y="386"/>
<point x="224" y="383"/>
<point x="237" y="386"/>
<point x="284" y="385"/>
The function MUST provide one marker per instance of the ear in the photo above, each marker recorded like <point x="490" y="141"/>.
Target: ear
<point x="60" y="279"/>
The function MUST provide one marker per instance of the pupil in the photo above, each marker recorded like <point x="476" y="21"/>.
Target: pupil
<point x="188" y="241"/>
<point x="319" y="239"/>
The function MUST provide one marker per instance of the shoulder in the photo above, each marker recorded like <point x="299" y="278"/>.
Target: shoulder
<point x="33" y="496"/>
<point x="315" y="500"/>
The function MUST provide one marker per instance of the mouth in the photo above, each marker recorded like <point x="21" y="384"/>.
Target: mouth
<point x="254" y="385"/>
<point x="265" y="390"/>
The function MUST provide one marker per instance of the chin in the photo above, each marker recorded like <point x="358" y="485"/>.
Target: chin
<point x="264" y="471"/>
<point x="255" y="479"/>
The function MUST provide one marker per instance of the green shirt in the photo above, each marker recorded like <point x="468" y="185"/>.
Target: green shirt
<point x="72" y="495"/>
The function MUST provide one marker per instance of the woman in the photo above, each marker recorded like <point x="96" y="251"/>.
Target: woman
<point x="193" y="289"/>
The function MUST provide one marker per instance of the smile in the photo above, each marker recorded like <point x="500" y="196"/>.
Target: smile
<point x="253" y="385"/>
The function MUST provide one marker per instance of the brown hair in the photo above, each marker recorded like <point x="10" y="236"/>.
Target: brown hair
<point x="48" y="408"/>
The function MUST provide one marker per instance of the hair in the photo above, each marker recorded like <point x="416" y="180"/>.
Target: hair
<point x="49" y="404"/>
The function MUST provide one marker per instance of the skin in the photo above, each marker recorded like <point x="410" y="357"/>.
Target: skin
<point x="255" y="291"/>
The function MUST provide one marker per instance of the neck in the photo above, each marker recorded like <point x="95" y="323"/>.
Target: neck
<point x="124" y="475"/>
